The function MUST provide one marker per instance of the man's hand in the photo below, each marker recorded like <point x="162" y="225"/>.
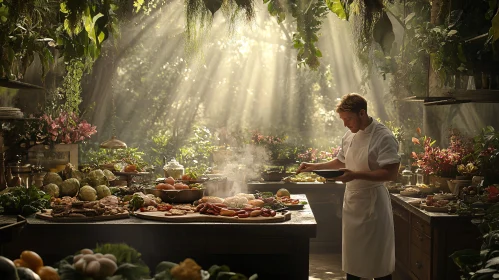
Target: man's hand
<point x="306" y="167"/>
<point x="347" y="176"/>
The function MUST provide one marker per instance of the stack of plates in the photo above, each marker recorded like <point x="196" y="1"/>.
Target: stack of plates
<point x="10" y="113"/>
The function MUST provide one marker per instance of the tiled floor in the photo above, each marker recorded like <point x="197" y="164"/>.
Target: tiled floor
<point x="325" y="267"/>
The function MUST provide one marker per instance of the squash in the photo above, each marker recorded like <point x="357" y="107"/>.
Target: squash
<point x="8" y="269"/>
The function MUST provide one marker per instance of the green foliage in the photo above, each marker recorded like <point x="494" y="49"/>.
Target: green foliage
<point x="197" y="150"/>
<point x="483" y="264"/>
<point x="339" y="7"/>
<point x="127" y="156"/>
<point x="77" y="29"/>
<point x="24" y="201"/>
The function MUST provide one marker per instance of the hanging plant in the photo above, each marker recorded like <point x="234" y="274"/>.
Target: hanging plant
<point x="199" y="17"/>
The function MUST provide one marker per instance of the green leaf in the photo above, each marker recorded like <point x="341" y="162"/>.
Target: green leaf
<point x="452" y="32"/>
<point x="493" y="261"/>
<point x="318" y="53"/>
<point x="63" y="8"/>
<point x="337" y="7"/>
<point x="138" y="5"/>
<point x="101" y="37"/>
<point x="486" y="270"/>
<point x="494" y="29"/>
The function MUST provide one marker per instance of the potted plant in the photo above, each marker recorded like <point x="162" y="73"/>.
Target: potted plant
<point x="440" y="163"/>
<point x="485" y="154"/>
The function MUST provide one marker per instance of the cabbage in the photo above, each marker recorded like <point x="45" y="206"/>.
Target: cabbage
<point x="96" y="178"/>
<point x="109" y="175"/>
<point x="87" y="193"/>
<point x="52" y="190"/>
<point x="70" y="187"/>
<point x="52" y="178"/>
<point x="102" y="191"/>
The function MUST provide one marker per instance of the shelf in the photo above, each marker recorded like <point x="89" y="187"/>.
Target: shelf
<point x="17" y="85"/>
<point x="460" y="96"/>
<point x="422" y="99"/>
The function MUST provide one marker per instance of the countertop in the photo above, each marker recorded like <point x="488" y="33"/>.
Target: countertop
<point x="423" y="214"/>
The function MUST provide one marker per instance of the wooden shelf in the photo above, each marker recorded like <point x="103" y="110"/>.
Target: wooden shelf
<point x="459" y="96"/>
<point x="17" y="85"/>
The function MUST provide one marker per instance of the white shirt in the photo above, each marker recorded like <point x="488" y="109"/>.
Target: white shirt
<point x="383" y="149"/>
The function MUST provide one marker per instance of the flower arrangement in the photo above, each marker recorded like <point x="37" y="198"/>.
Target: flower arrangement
<point x="67" y="128"/>
<point x="314" y="155"/>
<point x="438" y="161"/>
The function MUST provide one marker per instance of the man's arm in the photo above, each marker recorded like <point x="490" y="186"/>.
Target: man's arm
<point x="388" y="172"/>
<point x="333" y="164"/>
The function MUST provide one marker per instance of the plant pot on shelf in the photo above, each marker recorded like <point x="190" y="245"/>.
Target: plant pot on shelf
<point x="440" y="183"/>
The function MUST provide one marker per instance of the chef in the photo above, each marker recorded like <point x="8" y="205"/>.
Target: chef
<point x="369" y="156"/>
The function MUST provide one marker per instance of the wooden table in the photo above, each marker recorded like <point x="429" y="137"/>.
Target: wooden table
<point x="274" y="251"/>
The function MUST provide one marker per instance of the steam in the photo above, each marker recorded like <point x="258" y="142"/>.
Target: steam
<point x="242" y="165"/>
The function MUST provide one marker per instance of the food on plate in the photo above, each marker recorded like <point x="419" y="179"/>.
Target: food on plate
<point x="70" y="207"/>
<point x="444" y="196"/>
<point x="283" y="192"/>
<point x="235" y="201"/>
<point x="256" y="202"/>
<point x="97" y="266"/>
<point x="411" y="189"/>
<point x="248" y="196"/>
<point x="288" y="201"/>
<point x="225" y="210"/>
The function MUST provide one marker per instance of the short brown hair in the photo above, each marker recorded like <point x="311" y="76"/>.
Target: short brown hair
<point x="351" y="102"/>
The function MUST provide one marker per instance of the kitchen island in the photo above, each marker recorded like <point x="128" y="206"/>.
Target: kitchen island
<point x="272" y="250"/>
<point x="326" y="200"/>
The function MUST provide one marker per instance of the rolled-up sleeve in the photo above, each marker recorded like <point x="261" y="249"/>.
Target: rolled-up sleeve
<point x="341" y="153"/>
<point x="388" y="150"/>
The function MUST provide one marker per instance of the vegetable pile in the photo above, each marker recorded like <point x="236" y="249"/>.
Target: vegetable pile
<point x="24" y="201"/>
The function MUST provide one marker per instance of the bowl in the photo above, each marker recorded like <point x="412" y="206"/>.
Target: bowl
<point x="329" y="173"/>
<point x="177" y="196"/>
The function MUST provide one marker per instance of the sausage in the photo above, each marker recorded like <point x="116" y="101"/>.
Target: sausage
<point x="198" y="208"/>
<point x="241" y="212"/>
<point x="272" y="213"/>
<point x="265" y="214"/>
<point x="204" y="209"/>
<point x="245" y="215"/>
<point x="211" y="211"/>
<point x="220" y="205"/>
<point x="255" y="213"/>
<point x="227" y="212"/>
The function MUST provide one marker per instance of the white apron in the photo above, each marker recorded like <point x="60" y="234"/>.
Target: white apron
<point x="368" y="247"/>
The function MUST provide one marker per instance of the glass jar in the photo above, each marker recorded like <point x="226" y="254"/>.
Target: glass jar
<point x="407" y="176"/>
<point x="173" y="169"/>
<point x="419" y="177"/>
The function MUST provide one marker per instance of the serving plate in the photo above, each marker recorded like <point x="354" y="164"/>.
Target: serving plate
<point x="329" y="173"/>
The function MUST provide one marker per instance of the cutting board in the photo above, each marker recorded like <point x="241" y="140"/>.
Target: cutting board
<point x="202" y="218"/>
<point x="47" y="216"/>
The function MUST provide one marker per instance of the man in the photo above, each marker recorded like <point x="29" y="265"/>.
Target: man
<point x="369" y="156"/>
